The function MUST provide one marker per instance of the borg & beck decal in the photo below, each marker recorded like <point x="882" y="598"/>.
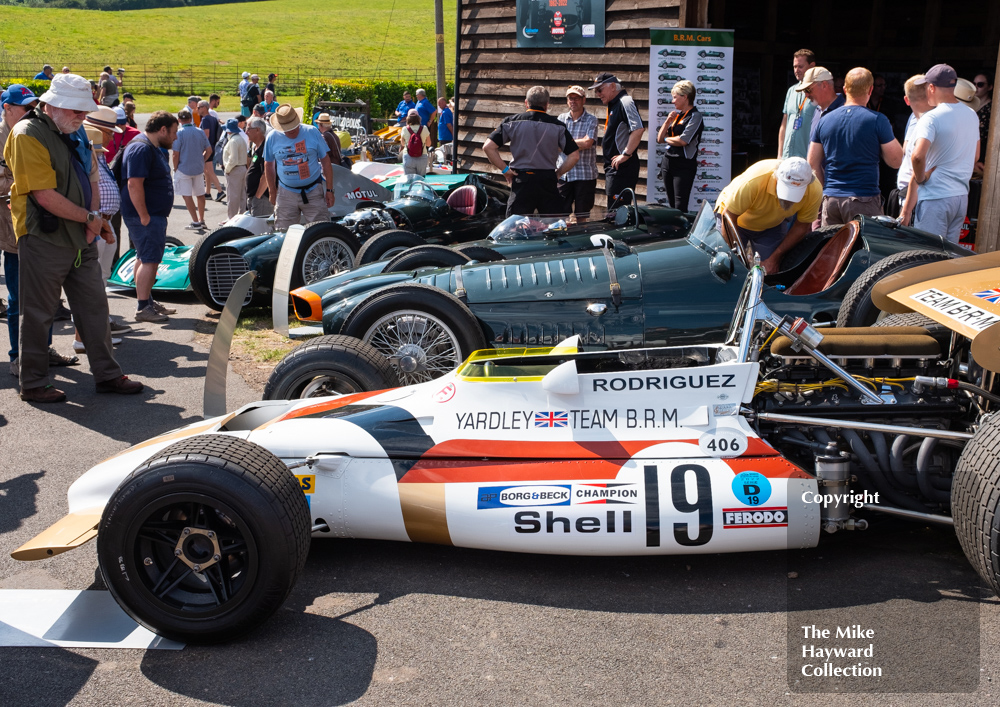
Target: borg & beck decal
<point x="557" y="495"/>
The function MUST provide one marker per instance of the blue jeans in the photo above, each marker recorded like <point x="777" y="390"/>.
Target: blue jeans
<point x="10" y="270"/>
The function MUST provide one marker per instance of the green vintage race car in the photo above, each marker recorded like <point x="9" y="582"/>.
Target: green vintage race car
<point x="440" y="209"/>
<point x="672" y="293"/>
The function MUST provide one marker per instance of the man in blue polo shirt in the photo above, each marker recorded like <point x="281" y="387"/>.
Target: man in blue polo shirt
<point x="404" y="107"/>
<point x="425" y="109"/>
<point x="445" y="121"/>
<point x="845" y="151"/>
<point x="45" y="74"/>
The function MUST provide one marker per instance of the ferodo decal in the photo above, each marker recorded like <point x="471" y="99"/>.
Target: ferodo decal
<point x="725" y="442"/>
<point x="580" y="419"/>
<point x="751" y="488"/>
<point x="307" y="482"/>
<point x="757" y="518"/>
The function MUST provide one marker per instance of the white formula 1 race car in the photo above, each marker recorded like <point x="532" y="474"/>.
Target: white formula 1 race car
<point x="761" y="442"/>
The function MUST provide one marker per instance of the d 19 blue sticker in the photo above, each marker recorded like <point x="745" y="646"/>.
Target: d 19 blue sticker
<point x="751" y="488"/>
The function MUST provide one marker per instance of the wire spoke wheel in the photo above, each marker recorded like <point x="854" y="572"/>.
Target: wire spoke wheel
<point x="420" y="346"/>
<point x="325" y="257"/>
<point x="194" y="555"/>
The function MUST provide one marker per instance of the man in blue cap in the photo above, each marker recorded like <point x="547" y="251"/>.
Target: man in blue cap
<point x="234" y="163"/>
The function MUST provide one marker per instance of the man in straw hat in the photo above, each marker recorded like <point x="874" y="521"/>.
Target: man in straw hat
<point x="945" y="149"/>
<point x="54" y="203"/>
<point x="296" y="163"/>
<point x="325" y="125"/>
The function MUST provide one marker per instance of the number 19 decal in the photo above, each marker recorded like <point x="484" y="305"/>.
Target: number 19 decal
<point x="702" y="504"/>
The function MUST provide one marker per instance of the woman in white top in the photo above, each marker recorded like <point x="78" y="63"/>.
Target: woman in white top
<point x="411" y="135"/>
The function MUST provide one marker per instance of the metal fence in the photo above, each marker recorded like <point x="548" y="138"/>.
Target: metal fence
<point x="221" y="78"/>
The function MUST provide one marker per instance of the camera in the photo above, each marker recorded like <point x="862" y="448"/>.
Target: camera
<point x="120" y="71"/>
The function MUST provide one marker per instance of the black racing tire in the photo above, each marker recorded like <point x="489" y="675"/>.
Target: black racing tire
<point x="330" y="365"/>
<point x="174" y="241"/>
<point x="198" y="264"/>
<point x="937" y="331"/>
<point x="482" y="253"/>
<point x="251" y="527"/>
<point x="327" y="248"/>
<point x="424" y="331"/>
<point x="426" y="256"/>
<point x="857" y="308"/>
<point x="387" y="244"/>
<point x="975" y="501"/>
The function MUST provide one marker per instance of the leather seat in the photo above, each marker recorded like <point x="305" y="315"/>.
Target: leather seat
<point x="829" y="263"/>
<point x="463" y="200"/>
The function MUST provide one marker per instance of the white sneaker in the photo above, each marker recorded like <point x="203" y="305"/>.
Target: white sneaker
<point x="79" y="348"/>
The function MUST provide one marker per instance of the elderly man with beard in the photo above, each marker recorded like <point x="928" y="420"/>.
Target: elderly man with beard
<point x="54" y="207"/>
<point x="773" y="205"/>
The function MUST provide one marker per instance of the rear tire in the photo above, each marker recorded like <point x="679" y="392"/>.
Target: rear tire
<point x="482" y="253"/>
<point x="198" y="264"/>
<point x="326" y="249"/>
<point x="174" y="241"/>
<point x="330" y="365"/>
<point x="975" y="498"/>
<point x="857" y="309"/>
<point x="425" y="332"/>
<point x="426" y="256"/>
<point x="386" y="245"/>
<point x="213" y="502"/>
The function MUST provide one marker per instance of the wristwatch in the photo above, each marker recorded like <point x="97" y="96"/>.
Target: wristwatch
<point x="330" y="190"/>
<point x="626" y="154"/>
<point x="93" y="216"/>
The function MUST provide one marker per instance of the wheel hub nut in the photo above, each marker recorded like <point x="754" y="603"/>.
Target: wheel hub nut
<point x="198" y="549"/>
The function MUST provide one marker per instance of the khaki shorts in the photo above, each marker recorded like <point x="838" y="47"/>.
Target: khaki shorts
<point x="289" y="209"/>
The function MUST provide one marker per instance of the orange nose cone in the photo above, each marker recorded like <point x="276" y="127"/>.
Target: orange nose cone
<point x="308" y="305"/>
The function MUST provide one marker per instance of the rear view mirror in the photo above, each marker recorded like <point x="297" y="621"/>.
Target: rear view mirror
<point x="722" y="265"/>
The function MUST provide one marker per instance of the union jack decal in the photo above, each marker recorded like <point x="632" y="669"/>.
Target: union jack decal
<point x="552" y="418"/>
<point x="990" y="295"/>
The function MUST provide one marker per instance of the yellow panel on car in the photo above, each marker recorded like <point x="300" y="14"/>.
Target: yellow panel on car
<point x="967" y="303"/>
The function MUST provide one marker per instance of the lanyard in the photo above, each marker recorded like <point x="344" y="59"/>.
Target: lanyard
<point x="677" y="119"/>
<point x="802" y="102"/>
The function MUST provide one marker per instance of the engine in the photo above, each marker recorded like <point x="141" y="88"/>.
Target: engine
<point x="367" y="222"/>
<point x="909" y="471"/>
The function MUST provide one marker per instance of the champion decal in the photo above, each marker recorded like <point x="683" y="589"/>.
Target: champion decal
<point x="552" y="418"/>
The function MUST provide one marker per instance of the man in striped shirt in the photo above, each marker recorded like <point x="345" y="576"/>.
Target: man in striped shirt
<point x="578" y="185"/>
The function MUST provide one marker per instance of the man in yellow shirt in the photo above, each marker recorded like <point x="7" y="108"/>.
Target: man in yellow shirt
<point x="773" y="205"/>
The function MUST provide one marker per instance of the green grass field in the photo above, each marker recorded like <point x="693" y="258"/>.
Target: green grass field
<point x="345" y="34"/>
<point x="147" y="103"/>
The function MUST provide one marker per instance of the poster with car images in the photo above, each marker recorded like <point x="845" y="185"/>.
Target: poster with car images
<point x="560" y="23"/>
<point x="705" y="58"/>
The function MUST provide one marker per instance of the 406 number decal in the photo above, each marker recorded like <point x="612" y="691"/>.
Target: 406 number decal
<point x="702" y="505"/>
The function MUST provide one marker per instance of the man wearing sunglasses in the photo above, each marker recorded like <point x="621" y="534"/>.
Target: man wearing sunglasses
<point x="817" y="86"/>
<point x="55" y="207"/>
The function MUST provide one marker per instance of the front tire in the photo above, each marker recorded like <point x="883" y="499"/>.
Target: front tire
<point x="326" y="249"/>
<point x="975" y="501"/>
<point x="857" y="309"/>
<point x="423" y="331"/>
<point x="204" y="541"/>
<point x="387" y="244"/>
<point x="330" y="365"/>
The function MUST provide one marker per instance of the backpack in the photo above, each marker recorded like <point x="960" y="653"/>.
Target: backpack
<point x="414" y="146"/>
<point x="219" y="147"/>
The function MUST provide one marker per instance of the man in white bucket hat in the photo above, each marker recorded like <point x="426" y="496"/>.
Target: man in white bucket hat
<point x="54" y="204"/>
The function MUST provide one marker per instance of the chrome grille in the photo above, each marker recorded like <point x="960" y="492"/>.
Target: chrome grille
<point x="222" y="271"/>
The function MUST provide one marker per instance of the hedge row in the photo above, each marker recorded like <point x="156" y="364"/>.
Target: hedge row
<point x="36" y="87"/>
<point x="382" y="96"/>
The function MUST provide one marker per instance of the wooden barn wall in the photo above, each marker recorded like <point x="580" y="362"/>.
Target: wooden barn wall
<point x="494" y="74"/>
